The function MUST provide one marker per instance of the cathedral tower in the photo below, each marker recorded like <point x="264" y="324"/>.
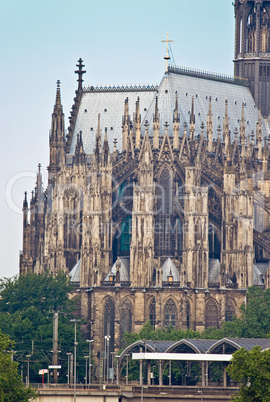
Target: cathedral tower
<point x="252" y="48"/>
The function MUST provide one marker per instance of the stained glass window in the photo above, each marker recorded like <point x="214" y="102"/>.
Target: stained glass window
<point x="229" y="311"/>
<point x="170" y="313"/>
<point x="211" y="314"/>
<point x="152" y="312"/>
<point x="109" y="316"/>
<point x="126" y="317"/>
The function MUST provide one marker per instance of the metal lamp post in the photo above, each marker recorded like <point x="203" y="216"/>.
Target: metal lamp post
<point x="75" y="356"/>
<point x="127" y="370"/>
<point x="68" y="374"/>
<point x="112" y="353"/>
<point x="89" y="341"/>
<point x="86" y="357"/>
<point x="106" y="356"/>
<point x="28" y="380"/>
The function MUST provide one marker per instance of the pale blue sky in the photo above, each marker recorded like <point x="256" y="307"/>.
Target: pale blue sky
<point x="119" y="41"/>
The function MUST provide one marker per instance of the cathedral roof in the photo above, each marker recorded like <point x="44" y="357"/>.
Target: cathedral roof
<point x="75" y="273"/>
<point x="169" y="269"/>
<point x="214" y="270"/>
<point x="124" y="270"/>
<point x="109" y="102"/>
<point x="257" y="276"/>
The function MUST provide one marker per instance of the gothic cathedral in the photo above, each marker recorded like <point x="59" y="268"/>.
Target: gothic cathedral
<point x="158" y="197"/>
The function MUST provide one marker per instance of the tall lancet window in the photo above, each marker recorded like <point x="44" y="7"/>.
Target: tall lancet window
<point x="109" y="316"/>
<point x="165" y="225"/>
<point x="211" y="314"/>
<point x="170" y="313"/>
<point x="152" y="312"/>
<point x="126" y="317"/>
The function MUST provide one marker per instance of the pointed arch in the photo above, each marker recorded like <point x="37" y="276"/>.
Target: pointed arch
<point x="165" y="222"/>
<point x="164" y="205"/>
<point x="109" y="318"/>
<point x="170" y="313"/>
<point x="126" y="316"/>
<point x="211" y="314"/>
<point x="152" y="312"/>
<point x="229" y="310"/>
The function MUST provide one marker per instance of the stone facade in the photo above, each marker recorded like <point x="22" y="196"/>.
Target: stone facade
<point x="174" y="226"/>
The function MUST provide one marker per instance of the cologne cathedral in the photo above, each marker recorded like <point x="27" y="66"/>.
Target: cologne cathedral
<point x="158" y="197"/>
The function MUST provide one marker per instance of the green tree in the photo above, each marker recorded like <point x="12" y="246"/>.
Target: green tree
<point x="253" y="370"/>
<point x="27" y="304"/>
<point x="11" y="387"/>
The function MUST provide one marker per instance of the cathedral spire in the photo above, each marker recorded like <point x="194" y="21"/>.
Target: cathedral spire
<point x="58" y="106"/>
<point x="192" y="121"/>
<point x="209" y="127"/>
<point x="176" y="124"/>
<point x="79" y="151"/>
<point x="57" y="134"/>
<point x="156" y="126"/>
<point x="259" y="134"/>
<point x="138" y="125"/>
<point x="105" y="150"/>
<point x="226" y="131"/>
<point x="243" y="128"/>
<point x="25" y="210"/>
<point x="125" y="126"/>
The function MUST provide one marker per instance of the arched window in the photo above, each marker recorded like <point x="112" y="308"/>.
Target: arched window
<point x="165" y="192"/>
<point x="170" y="313"/>
<point x="165" y="225"/>
<point x="109" y="317"/>
<point x="152" y="312"/>
<point x="126" y="317"/>
<point x="211" y="314"/>
<point x="229" y="310"/>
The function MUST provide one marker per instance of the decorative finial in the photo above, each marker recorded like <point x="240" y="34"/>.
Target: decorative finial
<point x="167" y="57"/>
<point x="80" y="72"/>
<point x="219" y="131"/>
<point x="252" y="137"/>
<point x="114" y="144"/>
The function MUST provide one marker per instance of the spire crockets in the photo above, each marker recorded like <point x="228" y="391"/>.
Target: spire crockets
<point x="176" y="124"/>
<point x="80" y="73"/>
<point x="156" y="126"/>
<point x="25" y="210"/>
<point x="209" y="127"/>
<point x="242" y="135"/>
<point x="79" y="151"/>
<point x="57" y="135"/>
<point x="138" y="125"/>
<point x="259" y="134"/>
<point x="226" y="129"/>
<point x="192" y="121"/>
<point x="125" y="126"/>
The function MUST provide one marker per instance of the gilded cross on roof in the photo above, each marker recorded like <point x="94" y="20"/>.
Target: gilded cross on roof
<point x="167" y="57"/>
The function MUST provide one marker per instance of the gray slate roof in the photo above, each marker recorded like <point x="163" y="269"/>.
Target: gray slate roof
<point x="168" y="268"/>
<point x="75" y="273"/>
<point x="110" y="104"/>
<point x="124" y="270"/>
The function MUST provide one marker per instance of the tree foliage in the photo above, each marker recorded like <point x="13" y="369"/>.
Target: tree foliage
<point x="253" y="370"/>
<point x="11" y="387"/>
<point x="27" y="304"/>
